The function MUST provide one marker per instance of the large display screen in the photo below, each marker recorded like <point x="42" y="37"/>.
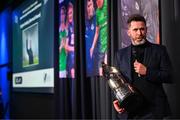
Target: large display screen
<point x="33" y="46"/>
<point x="66" y="39"/>
<point x="96" y="35"/>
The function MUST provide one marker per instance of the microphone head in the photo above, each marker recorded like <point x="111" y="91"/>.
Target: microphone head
<point x="134" y="53"/>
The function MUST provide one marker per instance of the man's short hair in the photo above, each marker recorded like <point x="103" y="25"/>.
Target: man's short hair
<point x="136" y="17"/>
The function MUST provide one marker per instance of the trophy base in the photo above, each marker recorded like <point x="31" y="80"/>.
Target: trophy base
<point x="132" y="103"/>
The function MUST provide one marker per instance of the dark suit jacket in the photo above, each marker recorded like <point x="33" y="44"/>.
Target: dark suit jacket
<point x="159" y="70"/>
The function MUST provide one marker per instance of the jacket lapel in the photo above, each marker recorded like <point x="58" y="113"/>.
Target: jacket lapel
<point x="147" y="56"/>
<point x="128" y="58"/>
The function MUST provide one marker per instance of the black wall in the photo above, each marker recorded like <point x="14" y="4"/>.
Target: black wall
<point x="170" y="21"/>
<point x="28" y="105"/>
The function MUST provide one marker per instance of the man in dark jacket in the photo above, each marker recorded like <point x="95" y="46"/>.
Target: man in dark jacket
<point x="146" y="66"/>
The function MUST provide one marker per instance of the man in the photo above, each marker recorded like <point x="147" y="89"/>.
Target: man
<point x="89" y="35"/>
<point x="146" y="66"/>
<point x="70" y="43"/>
<point x="101" y="32"/>
<point x="62" y="41"/>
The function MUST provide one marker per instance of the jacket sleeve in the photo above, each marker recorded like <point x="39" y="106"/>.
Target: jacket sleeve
<point x="164" y="72"/>
<point x="115" y="61"/>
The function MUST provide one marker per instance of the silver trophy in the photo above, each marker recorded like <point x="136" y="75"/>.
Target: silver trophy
<point x="128" y="97"/>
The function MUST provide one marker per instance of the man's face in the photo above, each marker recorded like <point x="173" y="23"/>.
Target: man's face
<point x="70" y="15"/>
<point x="137" y="31"/>
<point x="99" y="3"/>
<point x="90" y="9"/>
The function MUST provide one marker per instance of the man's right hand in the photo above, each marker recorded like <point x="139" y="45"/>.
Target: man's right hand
<point x="117" y="107"/>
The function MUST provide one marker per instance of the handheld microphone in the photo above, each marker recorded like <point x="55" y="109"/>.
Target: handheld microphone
<point x="136" y="56"/>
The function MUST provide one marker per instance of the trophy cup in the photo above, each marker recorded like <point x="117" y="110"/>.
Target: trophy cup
<point x="128" y="97"/>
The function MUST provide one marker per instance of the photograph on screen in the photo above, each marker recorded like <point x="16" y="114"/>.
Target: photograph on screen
<point x="66" y="39"/>
<point x="149" y="9"/>
<point x="30" y="45"/>
<point x="96" y="35"/>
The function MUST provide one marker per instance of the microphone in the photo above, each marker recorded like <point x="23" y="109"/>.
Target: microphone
<point x="136" y="56"/>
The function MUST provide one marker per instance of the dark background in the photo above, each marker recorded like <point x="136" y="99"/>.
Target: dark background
<point x="91" y="97"/>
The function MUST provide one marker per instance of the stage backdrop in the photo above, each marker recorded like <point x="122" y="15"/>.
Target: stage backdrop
<point x="96" y="35"/>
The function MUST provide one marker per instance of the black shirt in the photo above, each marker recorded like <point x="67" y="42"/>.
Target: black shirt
<point x="137" y="54"/>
